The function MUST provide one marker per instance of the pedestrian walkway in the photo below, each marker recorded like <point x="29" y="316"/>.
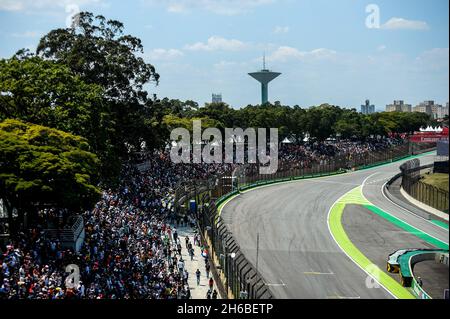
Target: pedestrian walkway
<point x="198" y="262"/>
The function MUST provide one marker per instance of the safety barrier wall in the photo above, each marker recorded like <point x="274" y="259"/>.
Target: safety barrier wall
<point x="239" y="276"/>
<point x="417" y="289"/>
<point x="250" y="173"/>
<point x="405" y="204"/>
<point x="418" y="148"/>
<point x="425" y="193"/>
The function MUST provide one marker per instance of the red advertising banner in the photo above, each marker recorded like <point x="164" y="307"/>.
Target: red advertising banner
<point x="429" y="137"/>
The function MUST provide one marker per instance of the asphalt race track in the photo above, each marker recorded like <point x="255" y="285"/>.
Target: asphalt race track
<point x="376" y="238"/>
<point x="298" y="257"/>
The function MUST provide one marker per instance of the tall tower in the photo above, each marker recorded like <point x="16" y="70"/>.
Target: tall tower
<point x="216" y="98"/>
<point x="264" y="77"/>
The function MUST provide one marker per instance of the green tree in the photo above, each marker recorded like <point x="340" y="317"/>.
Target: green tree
<point x="402" y="122"/>
<point x="371" y="125"/>
<point x="173" y="122"/>
<point x="220" y="112"/>
<point x="320" y="121"/>
<point x="295" y="123"/>
<point x="350" y="124"/>
<point x="40" y="165"/>
<point x="99" y="52"/>
<point x="445" y="120"/>
<point x="47" y="93"/>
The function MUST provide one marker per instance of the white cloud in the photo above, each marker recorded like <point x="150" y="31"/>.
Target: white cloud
<point x="229" y="65"/>
<point x="279" y="29"/>
<point x="285" y="53"/>
<point x="216" y="43"/>
<point x="164" y="54"/>
<point x="10" y="5"/>
<point x="381" y="48"/>
<point x="27" y="34"/>
<point x="436" y="59"/>
<point x="225" y="64"/>
<point x="403" y="24"/>
<point x="29" y="5"/>
<point x="225" y="7"/>
<point x="176" y="8"/>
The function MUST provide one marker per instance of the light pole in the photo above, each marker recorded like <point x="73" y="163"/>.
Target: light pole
<point x="225" y="256"/>
<point x="257" y="251"/>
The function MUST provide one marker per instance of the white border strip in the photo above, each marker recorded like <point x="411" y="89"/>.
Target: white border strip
<point x="425" y="207"/>
<point x="329" y="230"/>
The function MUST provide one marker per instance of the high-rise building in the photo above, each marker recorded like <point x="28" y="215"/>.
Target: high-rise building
<point x="392" y="108"/>
<point x="398" y="106"/>
<point x="367" y="108"/>
<point x="439" y="111"/>
<point x="426" y="107"/>
<point x="443" y="112"/>
<point x="217" y="98"/>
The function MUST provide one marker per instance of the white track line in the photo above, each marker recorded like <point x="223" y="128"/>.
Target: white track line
<point x="342" y="297"/>
<point x="317" y="273"/>
<point x="332" y="236"/>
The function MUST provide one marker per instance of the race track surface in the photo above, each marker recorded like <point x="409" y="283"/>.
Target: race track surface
<point x="298" y="257"/>
<point x="376" y="238"/>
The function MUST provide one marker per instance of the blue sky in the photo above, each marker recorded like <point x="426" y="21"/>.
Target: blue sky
<point x="324" y="48"/>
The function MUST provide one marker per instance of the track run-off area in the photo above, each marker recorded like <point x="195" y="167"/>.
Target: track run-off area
<point x="304" y="249"/>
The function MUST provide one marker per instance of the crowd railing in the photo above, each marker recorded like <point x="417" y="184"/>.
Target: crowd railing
<point x="239" y="278"/>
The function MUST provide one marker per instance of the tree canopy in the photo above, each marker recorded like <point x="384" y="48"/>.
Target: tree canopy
<point x="75" y="109"/>
<point x="319" y="122"/>
<point x="47" y="93"/>
<point x="41" y="165"/>
<point x="98" y="51"/>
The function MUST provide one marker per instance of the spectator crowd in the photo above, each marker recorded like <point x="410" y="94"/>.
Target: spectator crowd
<point x="309" y="153"/>
<point x="131" y="248"/>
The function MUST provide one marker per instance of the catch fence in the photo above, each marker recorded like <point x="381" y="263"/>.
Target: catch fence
<point x="240" y="277"/>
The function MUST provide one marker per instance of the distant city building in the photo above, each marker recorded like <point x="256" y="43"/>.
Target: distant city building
<point x="426" y="107"/>
<point x="439" y="112"/>
<point x="367" y="108"/>
<point x="398" y="106"/>
<point x="443" y="111"/>
<point x="436" y="111"/>
<point x="217" y="98"/>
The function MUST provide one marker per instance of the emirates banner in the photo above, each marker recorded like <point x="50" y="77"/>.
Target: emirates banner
<point x="429" y="137"/>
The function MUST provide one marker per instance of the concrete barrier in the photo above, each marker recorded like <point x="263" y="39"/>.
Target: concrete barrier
<point x="423" y="206"/>
<point x="406" y="205"/>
